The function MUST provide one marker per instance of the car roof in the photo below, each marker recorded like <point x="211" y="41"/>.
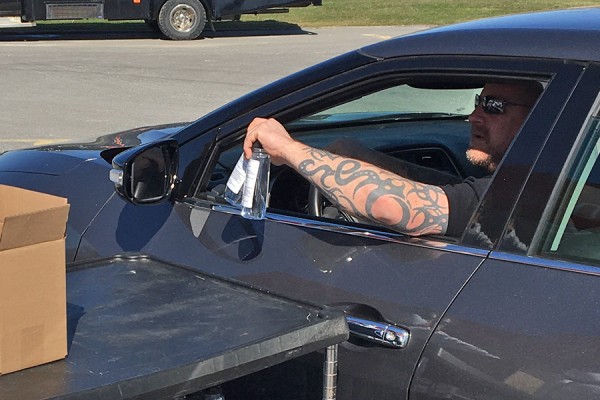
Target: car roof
<point x="571" y="34"/>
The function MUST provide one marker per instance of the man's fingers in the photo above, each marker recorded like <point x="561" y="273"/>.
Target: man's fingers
<point x="271" y="133"/>
<point x="252" y="135"/>
<point x="248" y="141"/>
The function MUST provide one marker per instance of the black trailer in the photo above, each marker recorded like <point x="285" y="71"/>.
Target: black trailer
<point x="176" y="19"/>
<point x="139" y="328"/>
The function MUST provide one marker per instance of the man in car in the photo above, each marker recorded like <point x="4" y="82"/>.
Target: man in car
<point x="395" y="201"/>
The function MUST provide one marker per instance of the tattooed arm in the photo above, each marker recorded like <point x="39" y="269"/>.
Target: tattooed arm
<point x="367" y="191"/>
<point x="358" y="187"/>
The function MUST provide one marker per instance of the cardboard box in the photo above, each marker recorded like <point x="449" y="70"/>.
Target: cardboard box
<point x="33" y="304"/>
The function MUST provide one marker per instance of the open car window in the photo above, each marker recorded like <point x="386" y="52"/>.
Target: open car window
<point x="424" y="125"/>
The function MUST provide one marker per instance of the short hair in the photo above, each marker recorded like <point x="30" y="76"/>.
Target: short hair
<point x="530" y="89"/>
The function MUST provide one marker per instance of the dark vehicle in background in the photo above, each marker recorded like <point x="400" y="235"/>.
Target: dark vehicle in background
<point x="508" y="310"/>
<point x="176" y="19"/>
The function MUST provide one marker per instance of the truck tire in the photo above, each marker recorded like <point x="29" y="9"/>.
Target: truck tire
<point x="182" y="19"/>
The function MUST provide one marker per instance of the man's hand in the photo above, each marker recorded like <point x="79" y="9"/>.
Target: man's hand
<point x="273" y="137"/>
<point x="360" y="188"/>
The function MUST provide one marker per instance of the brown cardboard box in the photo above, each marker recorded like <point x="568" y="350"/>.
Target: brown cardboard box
<point x="33" y="320"/>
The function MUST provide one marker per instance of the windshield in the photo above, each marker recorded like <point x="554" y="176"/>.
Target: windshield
<point x="399" y="103"/>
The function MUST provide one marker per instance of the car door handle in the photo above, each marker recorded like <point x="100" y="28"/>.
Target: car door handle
<point x="381" y="333"/>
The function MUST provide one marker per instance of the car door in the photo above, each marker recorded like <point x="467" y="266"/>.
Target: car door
<point x="373" y="274"/>
<point x="526" y="324"/>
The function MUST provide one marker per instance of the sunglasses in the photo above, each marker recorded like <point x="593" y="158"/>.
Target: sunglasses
<point x="492" y="105"/>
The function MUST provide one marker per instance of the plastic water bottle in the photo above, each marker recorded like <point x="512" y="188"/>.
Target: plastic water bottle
<point x="235" y="183"/>
<point x="256" y="186"/>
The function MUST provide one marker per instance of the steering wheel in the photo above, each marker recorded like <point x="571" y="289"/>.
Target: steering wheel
<point x="318" y="206"/>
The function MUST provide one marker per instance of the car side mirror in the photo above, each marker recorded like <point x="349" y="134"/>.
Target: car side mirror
<point x="146" y="174"/>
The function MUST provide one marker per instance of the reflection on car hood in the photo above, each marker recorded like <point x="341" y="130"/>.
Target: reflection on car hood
<point x="126" y="139"/>
<point x="59" y="159"/>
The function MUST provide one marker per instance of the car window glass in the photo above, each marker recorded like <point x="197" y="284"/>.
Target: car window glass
<point x="573" y="231"/>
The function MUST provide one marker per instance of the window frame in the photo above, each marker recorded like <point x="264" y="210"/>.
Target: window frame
<point x="302" y="101"/>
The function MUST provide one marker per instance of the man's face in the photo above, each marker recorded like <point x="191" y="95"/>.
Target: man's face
<point x="491" y="134"/>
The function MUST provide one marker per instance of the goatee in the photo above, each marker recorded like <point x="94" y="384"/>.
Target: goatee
<point x="481" y="159"/>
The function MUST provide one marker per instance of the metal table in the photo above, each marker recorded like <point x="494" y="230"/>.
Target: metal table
<point x="140" y="328"/>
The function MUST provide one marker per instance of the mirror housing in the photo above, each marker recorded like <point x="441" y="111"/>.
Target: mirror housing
<point x="146" y="174"/>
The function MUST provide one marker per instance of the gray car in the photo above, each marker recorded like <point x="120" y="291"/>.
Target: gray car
<point x="509" y="309"/>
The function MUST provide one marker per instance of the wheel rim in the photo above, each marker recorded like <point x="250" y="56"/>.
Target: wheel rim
<point x="183" y="18"/>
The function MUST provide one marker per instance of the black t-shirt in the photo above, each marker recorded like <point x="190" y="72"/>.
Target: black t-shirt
<point x="463" y="199"/>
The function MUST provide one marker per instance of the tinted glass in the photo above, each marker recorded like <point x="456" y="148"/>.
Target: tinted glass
<point x="573" y="230"/>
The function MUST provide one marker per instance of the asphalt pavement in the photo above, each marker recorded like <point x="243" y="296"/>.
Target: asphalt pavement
<point x="74" y="86"/>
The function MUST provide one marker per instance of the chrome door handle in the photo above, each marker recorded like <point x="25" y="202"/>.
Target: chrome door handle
<point x="381" y="333"/>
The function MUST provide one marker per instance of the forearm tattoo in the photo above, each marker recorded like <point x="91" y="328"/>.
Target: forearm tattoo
<point x="417" y="208"/>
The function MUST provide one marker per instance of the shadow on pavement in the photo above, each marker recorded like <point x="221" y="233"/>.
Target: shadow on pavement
<point x="140" y="30"/>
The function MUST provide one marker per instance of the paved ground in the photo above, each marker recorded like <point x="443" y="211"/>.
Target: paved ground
<point x="80" y="85"/>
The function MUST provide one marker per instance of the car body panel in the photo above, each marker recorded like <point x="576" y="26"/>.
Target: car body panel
<point x="540" y="35"/>
<point x="536" y="337"/>
<point x="63" y="170"/>
<point x="70" y="186"/>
